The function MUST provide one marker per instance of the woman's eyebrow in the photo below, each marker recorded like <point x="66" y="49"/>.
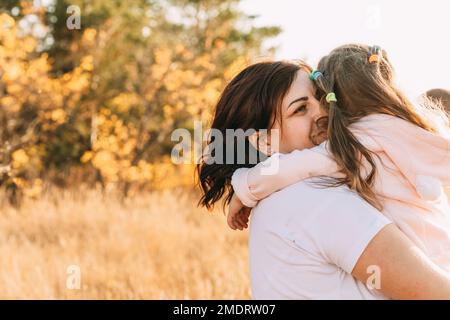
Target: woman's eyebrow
<point x="297" y="100"/>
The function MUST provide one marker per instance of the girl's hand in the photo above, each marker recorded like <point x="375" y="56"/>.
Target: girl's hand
<point x="238" y="214"/>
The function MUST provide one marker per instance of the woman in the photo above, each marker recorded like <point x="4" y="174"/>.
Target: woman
<point x="265" y="96"/>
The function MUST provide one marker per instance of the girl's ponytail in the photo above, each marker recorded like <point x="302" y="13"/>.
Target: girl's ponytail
<point x="355" y="160"/>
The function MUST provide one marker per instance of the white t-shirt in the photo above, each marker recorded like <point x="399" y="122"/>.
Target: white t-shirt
<point x="305" y="241"/>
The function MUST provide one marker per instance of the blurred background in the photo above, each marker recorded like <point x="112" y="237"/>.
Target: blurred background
<point x="91" y="205"/>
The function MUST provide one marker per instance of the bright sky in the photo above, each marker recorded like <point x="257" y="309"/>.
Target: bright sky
<point x="415" y="34"/>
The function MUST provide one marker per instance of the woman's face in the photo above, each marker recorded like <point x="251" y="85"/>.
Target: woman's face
<point x="300" y="111"/>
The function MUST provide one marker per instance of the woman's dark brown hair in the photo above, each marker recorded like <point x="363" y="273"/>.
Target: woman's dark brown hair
<point x="252" y="100"/>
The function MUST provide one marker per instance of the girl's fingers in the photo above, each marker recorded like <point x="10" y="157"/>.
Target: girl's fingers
<point x="234" y="223"/>
<point x="238" y="216"/>
<point x="242" y="219"/>
<point x="239" y="224"/>
<point x="230" y="221"/>
<point x="245" y="214"/>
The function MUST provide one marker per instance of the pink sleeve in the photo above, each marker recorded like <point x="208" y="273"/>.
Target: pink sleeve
<point x="280" y="171"/>
<point x="416" y="152"/>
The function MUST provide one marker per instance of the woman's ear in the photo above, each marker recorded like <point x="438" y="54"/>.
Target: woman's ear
<point x="265" y="141"/>
<point x="253" y="139"/>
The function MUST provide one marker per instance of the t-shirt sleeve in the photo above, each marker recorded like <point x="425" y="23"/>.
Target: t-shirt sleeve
<point x="343" y="229"/>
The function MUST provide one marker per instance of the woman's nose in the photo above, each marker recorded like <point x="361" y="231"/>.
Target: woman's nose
<point x="319" y="112"/>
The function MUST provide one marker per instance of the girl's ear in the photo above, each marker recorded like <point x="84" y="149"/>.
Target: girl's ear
<point x="265" y="141"/>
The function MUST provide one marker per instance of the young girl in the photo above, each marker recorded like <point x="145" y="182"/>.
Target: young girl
<point x="389" y="151"/>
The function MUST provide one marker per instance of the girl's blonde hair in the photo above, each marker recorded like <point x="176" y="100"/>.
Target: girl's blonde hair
<point x="363" y="86"/>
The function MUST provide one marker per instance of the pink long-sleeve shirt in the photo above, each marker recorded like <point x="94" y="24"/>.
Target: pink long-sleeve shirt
<point x="412" y="165"/>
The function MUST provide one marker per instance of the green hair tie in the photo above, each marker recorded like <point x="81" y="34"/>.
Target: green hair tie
<point x="314" y="75"/>
<point x="331" y="97"/>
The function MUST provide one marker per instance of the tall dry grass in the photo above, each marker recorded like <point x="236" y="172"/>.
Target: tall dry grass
<point x="154" y="246"/>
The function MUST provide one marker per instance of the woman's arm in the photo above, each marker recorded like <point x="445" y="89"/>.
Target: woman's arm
<point x="360" y="240"/>
<point x="405" y="272"/>
<point x="280" y="171"/>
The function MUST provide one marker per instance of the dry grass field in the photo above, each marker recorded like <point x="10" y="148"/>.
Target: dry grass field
<point x="154" y="246"/>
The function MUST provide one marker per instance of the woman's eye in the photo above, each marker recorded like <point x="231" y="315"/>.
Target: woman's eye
<point x="300" y="109"/>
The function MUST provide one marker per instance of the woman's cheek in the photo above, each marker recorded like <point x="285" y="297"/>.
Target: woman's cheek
<point x="299" y="135"/>
<point x="303" y="133"/>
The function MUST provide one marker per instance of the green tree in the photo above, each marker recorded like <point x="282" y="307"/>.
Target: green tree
<point x="146" y="67"/>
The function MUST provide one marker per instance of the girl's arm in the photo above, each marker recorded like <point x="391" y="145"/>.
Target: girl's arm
<point x="281" y="170"/>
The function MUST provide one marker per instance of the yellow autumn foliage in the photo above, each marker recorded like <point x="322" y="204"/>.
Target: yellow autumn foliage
<point x="19" y="158"/>
<point x="27" y="84"/>
<point x="100" y="103"/>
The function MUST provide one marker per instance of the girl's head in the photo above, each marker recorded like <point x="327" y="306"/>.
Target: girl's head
<point x="267" y="95"/>
<point x="362" y="79"/>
